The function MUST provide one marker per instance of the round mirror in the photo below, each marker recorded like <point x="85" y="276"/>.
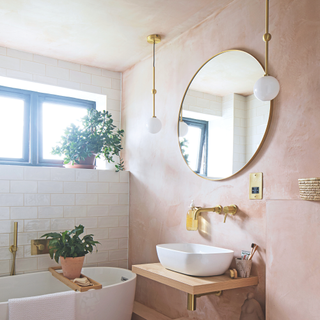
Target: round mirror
<point x="221" y="124"/>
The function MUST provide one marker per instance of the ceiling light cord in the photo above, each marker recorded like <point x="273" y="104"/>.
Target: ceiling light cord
<point x="266" y="39"/>
<point x="154" y="124"/>
<point x="154" y="91"/>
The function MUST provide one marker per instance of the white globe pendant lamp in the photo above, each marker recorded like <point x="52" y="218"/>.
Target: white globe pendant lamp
<point x="267" y="87"/>
<point x="154" y="124"/>
<point x="183" y="128"/>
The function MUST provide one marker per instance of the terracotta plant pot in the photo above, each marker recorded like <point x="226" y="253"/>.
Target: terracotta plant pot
<point x="71" y="267"/>
<point x="88" y="163"/>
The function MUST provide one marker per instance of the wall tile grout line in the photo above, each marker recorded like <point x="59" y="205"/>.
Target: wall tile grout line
<point x="36" y="216"/>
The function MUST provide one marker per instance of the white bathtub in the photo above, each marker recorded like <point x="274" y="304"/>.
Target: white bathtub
<point x="113" y="302"/>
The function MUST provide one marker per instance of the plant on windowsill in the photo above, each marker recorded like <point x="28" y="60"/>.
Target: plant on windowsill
<point x="70" y="249"/>
<point x="95" y="138"/>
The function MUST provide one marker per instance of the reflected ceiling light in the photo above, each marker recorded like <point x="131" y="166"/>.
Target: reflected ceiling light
<point x="154" y="124"/>
<point x="267" y="87"/>
<point x="183" y="127"/>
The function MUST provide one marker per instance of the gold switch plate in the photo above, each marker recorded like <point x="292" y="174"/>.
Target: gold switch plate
<point x="255" y="189"/>
<point x="39" y="246"/>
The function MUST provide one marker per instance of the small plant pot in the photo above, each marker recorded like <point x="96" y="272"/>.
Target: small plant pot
<point x="88" y="163"/>
<point x="71" y="267"/>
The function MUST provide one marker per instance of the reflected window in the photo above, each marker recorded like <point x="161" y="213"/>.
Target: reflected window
<point x="32" y="123"/>
<point x="194" y="145"/>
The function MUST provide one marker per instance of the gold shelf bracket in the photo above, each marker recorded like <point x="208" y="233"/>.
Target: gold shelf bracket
<point x="192" y="299"/>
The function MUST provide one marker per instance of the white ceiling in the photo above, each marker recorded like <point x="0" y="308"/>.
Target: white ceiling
<point x="230" y="72"/>
<point x="109" y="34"/>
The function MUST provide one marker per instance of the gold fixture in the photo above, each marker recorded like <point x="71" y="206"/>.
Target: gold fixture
<point x="267" y="87"/>
<point x="255" y="191"/>
<point x="154" y="124"/>
<point x="266" y="38"/>
<point x="192" y="299"/>
<point x="193" y="214"/>
<point x="39" y="246"/>
<point x="14" y="248"/>
<point x="229" y="210"/>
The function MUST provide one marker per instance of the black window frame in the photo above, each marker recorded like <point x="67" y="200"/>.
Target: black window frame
<point x="33" y="126"/>
<point x="203" y="148"/>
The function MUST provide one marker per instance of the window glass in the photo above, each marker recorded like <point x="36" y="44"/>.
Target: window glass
<point x="55" y="118"/>
<point x="11" y="127"/>
<point x="194" y="145"/>
<point x="32" y="123"/>
<point x="193" y="138"/>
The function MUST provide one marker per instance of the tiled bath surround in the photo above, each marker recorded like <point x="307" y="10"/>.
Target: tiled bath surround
<point x="57" y="199"/>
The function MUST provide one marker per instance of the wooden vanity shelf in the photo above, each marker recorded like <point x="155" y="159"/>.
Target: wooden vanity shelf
<point x="72" y="285"/>
<point x="194" y="286"/>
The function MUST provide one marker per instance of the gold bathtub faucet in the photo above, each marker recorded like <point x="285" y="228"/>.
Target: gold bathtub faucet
<point x="194" y="212"/>
<point x="14" y="249"/>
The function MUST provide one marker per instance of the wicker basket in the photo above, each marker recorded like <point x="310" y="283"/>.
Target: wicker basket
<point x="310" y="189"/>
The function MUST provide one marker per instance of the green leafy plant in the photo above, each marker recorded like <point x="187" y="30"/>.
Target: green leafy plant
<point x="69" y="244"/>
<point x="95" y="137"/>
<point x="184" y="147"/>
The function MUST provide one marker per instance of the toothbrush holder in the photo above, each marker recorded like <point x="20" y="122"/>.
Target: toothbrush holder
<point x="243" y="267"/>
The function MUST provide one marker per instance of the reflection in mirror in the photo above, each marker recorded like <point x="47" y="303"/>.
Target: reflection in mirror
<point x="226" y="123"/>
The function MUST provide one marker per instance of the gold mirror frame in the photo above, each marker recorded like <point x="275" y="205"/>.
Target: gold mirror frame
<point x="265" y="133"/>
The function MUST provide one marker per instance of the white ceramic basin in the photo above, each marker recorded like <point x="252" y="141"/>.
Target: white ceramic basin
<point x="194" y="259"/>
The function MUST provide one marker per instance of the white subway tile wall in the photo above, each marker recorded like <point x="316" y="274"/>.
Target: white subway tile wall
<point x="41" y="69"/>
<point x="56" y="199"/>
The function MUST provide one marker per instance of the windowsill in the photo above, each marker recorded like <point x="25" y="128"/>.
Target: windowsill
<point x="100" y="168"/>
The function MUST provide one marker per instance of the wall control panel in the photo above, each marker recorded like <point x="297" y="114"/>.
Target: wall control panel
<point x="255" y="188"/>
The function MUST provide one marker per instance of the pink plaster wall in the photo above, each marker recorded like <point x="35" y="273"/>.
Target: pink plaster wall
<point x="293" y="251"/>
<point x="162" y="186"/>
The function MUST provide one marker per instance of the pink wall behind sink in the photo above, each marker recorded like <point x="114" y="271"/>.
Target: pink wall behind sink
<point x="162" y="186"/>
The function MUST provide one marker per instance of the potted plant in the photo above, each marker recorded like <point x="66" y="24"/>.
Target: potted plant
<point x="70" y="249"/>
<point x="95" y="138"/>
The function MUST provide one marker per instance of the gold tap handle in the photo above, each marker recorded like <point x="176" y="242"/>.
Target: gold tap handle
<point x="14" y="248"/>
<point x="40" y="246"/>
<point x="229" y="210"/>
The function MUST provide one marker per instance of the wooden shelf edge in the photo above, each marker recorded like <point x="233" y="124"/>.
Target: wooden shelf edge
<point x="166" y="281"/>
<point x="150" y="314"/>
<point x="189" y="284"/>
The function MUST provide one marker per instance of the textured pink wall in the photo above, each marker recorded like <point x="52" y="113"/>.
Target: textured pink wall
<point x="293" y="251"/>
<point x="162" y="186"/>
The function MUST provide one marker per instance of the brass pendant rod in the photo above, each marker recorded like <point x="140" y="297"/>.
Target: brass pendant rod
<point x="267" y="38"/>
<point x="154" y="82"/>
<point x="153" y="39"/>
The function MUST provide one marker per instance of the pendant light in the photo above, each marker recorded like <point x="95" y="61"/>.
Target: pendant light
<point x="267" y="87"/>
<point x="154" y="124"/>
<point x="183" y="127"/>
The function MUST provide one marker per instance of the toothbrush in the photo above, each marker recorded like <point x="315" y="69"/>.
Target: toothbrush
<point x="252" y="248"/>
<point x="253" y="251"/>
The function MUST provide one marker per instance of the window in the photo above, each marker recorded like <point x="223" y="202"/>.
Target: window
<point x="195" y="145"/>
<point x="31" y="123"/>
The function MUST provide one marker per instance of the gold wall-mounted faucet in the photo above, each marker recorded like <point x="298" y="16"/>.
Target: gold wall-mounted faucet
<point x="14" y="249"/>
<point x="194" y="212"/>
<point x="229" y="210"/>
